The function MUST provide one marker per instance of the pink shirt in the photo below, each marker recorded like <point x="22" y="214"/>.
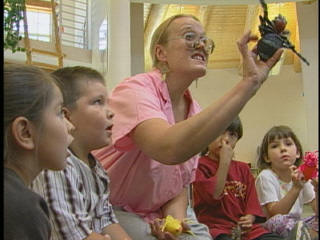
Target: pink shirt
<point x="140" y="184"/>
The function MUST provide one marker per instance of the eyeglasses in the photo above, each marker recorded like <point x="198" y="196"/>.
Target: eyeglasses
<point x="193" y="41"/>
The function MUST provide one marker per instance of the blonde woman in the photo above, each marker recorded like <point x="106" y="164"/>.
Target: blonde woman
<point x="159" y="128"/>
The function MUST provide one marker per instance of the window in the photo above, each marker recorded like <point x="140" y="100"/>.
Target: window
<point x="39" y="25"/>
<point x="103" y="35"/>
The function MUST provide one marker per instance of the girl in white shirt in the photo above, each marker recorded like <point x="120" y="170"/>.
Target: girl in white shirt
<point x="281" y="187"/>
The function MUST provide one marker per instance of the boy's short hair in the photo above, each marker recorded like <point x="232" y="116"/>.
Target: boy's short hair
<point x="234" y="127"/>
<point x="69" y="78"/>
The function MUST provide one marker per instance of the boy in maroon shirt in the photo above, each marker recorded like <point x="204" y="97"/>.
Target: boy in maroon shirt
<point x="225" y="197"/>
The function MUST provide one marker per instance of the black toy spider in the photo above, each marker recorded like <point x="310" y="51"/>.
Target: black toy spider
<point x="273" y="35"/>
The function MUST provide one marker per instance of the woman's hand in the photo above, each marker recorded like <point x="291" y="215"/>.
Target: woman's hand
<point x="254" y="70"/>
<point x="156" y="231"/>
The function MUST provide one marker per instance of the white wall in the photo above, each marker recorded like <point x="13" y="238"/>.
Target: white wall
<point x="278" y="101"/>
<point x="309" y="41"/>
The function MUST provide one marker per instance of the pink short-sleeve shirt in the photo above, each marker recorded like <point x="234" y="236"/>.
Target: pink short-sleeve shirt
<point x="140" y="184"/>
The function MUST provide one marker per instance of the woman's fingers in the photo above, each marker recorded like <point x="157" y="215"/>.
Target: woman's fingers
<point x="275" y="58"/>
<point x="243" y="42"/>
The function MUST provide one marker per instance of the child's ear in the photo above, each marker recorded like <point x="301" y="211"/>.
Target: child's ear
<point x="298" y="155"/>
<point x="160" y="53"/>
<point x="23" y="133"/>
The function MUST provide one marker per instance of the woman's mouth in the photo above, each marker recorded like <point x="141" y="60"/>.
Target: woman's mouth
<point x="109" y="128"/>
<point x="199" y="57"/>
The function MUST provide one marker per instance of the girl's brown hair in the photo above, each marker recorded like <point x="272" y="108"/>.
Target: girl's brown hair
<point x="27" y="92"/>
<point x="160" y="36"/>
<point x="277" y="132"/>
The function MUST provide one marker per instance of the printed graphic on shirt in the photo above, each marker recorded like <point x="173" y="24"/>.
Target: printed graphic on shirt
<point x="235" y="188"/>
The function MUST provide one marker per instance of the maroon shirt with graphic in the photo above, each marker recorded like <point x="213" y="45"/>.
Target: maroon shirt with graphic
<point x="239" y="198"/>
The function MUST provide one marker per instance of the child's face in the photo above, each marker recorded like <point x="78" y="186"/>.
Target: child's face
<point x="54" y="135"/>
<point x="91" y="117"/>
<point x="231" y="138"/>
<point x="282" y="153"/>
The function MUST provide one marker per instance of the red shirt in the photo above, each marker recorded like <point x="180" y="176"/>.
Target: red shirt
<point x="239" y="198"/>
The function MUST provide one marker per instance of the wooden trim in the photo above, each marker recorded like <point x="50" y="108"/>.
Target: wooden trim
<point x="56" y="34"/>
<point x="39" y="5"/>
<point x="26" y="36"/>
<point x="46" y="52"/>
<point x="45" y="65"/>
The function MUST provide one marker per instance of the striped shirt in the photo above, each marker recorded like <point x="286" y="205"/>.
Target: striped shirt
<point x="77" y="197"/>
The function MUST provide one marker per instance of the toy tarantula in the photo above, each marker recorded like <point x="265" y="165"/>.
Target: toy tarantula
<point x="273" y="35"/>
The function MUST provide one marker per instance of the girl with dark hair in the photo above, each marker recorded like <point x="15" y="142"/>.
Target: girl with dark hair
<point x="36" y="137"/>
<point x="281" y="187"/>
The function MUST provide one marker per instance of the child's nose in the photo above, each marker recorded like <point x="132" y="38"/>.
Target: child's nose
<point x="226" y="138"/>
<point x="70" y="126"/>
<point x="110" y="114"/>
<point x="283" y="147"/>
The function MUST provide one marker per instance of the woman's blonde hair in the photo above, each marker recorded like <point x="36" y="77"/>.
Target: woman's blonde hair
<point x="160" y="36"/>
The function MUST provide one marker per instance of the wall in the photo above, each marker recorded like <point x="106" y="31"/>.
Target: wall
<point x="278" y="101"/>
<point x="309" y="40"/>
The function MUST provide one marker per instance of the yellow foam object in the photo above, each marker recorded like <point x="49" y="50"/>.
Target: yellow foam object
<point x="172" y="225"/>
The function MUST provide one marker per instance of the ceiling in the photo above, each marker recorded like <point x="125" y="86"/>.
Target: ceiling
<point x="225" y="24"/>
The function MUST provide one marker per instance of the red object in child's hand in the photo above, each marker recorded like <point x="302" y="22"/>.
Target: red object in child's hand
<point x="309" y="168"/>
<point x="308" y="172"/>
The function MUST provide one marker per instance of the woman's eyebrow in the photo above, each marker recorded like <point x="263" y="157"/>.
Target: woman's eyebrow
<point x="189" y="28"/>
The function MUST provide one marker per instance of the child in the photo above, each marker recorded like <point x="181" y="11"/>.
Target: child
<point x="78" y="196"/>
<point x="281" y="188"/>
<point x="35" y="138"/>
<point x="225" y="198"/>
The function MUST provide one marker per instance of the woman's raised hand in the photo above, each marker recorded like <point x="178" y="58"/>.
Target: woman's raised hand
<point x="255" y="70"/>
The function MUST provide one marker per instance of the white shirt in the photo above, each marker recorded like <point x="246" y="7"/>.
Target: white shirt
<point x="271" y="189"/>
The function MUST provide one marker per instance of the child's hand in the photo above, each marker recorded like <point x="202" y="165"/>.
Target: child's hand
<point x="297" y="177"/>
<point x="314" y="182"/>
<point x="226" y="152"/>
<point x="246" y="222"/>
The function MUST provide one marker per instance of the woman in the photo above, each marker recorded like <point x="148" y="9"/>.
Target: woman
<point x="159" y="128"/>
